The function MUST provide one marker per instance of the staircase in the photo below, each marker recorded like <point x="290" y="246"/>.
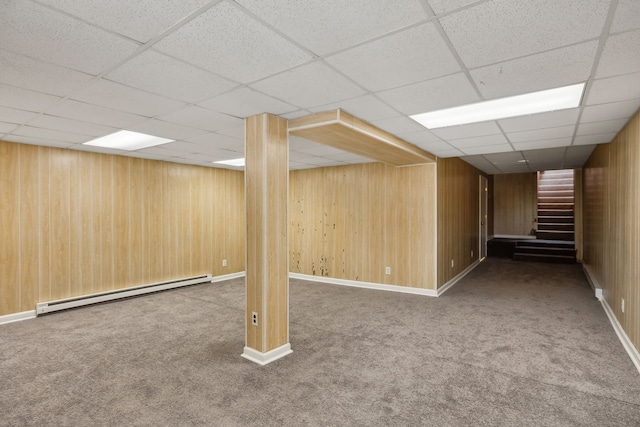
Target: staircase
<point x="555" y="205"/>
<point x="555" y="234"/>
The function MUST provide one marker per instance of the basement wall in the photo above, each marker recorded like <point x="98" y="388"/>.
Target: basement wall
<point x="611" y="208"/>
<point x="75" y="223"/>
<point x="515" y="204"/>
<point x="350" y="222"/>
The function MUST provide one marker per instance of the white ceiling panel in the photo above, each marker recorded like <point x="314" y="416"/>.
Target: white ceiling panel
<point x="216" y="140"/>
<point x="612" y="89"/>
<point x="541" y="121"/>
<point x="442" y="6"/>
<point x="39" y="141"/>
<point x="165" y="129"/>
<point x="245" y="102"/>
<point x="611" y="111"/>
<point x="504" y="158"/>
<point x="448" y="153"/>
<point x="232" y="44"/>
<point x="540" y="144"/>
<point x="124" y="98"/>
<point x="480" y="162"/>
<point x="480" y="141"/>
<point x="23" y="99"/>
<point x="546" y="70"/>
<point x="627" y="16"/>
<point x="310" y="85"/>
<point x="576" y="157"/>
<point x="515" y="168"/>
<point x="166" y="76"/>
<point x="398" y="125"/>
<point x="29" y="73"/>
<point x="39" y="32"/>
<point x="14" y="115"/>
<point x="368" y="108"/>
<point x="236" y="131"/>
<point x="436" y="146"/>
<point x="594" y="139"/>
<point x="431" y="95"/>
<point x="418" y="138"/>
<point x="202" y="118"/>
<point x="467" y="131"/>
<point x="140" y="20"/>
<point x="54" y="135"/>
<point x="298" y="113"/>
<point x="499" y="30"/>
<point x="539" y="156"/>
<point x="71" y="126"/>
<point x="498" y="148"/>
<point x="403" y="58"/>
<point x="94" y="114"/>
<point x="7" y="127"/>
<point x="621" y="55"/>
<point x="594" y="128"/>
<point x="331" y="25"/>
<point x="539" y="134"/>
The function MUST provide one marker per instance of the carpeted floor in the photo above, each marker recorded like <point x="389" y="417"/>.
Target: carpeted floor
<point x="513" y="344"/>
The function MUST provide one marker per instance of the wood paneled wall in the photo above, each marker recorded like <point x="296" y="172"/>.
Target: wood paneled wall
<point x="350" y="222"/>
<point x="75" y="223"/>
<point x="515" y="204"/>
<point x="611" y="182"/>
<point x="458" y="217"/>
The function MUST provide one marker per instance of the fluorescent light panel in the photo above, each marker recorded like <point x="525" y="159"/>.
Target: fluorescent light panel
<point x="127" y="140"/>
<point x="233" y="162"/>
<point x="513" y="106"/>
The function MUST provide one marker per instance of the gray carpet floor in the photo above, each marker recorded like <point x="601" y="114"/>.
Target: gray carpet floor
<point x="512" y="344"/>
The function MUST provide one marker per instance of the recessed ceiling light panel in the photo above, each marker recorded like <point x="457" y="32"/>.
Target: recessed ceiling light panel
<point x="513" y="106"/>
<point x="127" y="140"/>
<point x="233" y="162"/>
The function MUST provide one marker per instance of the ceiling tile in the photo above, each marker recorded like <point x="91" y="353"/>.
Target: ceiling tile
<point x="71" y="126"/>
<point x="504" y="158"/>
<point x="245" y="102"/>
<point x="431" y="95"/>
<point x="310" y="85"/>
<point x="331" y="25"/>
<point x="218" y="141"/>
<point x="481" y="163"/>
<point x="448" y="153"/>
<point x="24" y="99"/>
<point x="627" y="16"/>
<point x="52" y="135"/>
<point x="539" y="134"/>
<point x="165" y="129"/>
<point x="441" y="6"/>
<point x="29" y="73"/>
<point x="154" y="72"/>
<point x="41" y="33"/>
<point x="232" y="44"/>
<point x="94" y="114"/>
<point x="611" y="111"/>
<point x="621" y="55"/>
<point x="38" y="141"/>
<point x="613" y="89"/>
<point x="498" y="30"/>
<point x="487" y="149"/>
<point x="539" y="156"/>
<point x="434" y="146"/>
<point x="422" y="137"/>
<point x="296" y="114"/>
<point x="608" y="126"/>
<point x="403" y="58"/>
<point x="480" y="141"/>
<point x="140" y="20"/>
<point x="467" y="131"/>
<point x="546" y="143"/>
<point x="399" y="125"/>
<point x="14" y="115"/>
<point x="515" y="168"/>
<point x="368" y="108"/>
<point x="119" y="97"/>
<point x="594" y="139"/>
<point x="576" y="157"/>
<point x="236" y="131"/>
<point x="202" y="118"/>
<point x="541" y="121"/>
<point x="546" y="70"/>
<point x="7" y="127"/>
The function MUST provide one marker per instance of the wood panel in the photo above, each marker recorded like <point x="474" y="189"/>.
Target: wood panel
<point x="611" y="218"/>
<point x="458" y="216"/>
<point x="341" y="130"/>
<point x="350" y="222"/>
<point x="75" y="223"/>
<point x="514" y="204"/>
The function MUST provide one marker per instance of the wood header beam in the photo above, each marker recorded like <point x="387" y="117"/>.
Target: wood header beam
<point x="344" y="131"/>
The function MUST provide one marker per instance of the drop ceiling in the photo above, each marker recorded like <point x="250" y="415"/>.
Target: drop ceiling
<point x="192" y="70"/>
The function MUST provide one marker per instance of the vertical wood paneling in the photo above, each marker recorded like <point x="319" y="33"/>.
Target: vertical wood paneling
<point x="350" y="222"/>
<point x="515" y="203"/>
<point x="75" y="223"/>
<point x="611" y="218"/>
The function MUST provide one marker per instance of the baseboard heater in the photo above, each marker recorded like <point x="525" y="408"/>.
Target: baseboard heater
<point x="64" y="304"/>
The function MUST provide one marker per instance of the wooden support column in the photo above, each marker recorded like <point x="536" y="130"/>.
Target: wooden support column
<point x="267" y="264"/>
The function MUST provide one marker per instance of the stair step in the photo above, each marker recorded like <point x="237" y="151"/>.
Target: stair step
<point x="542" y="243"/>
<point x="556" y="259"/>
<point x="556" y="206"/>
<point x="556" y="199"/>
<point x="555" y="235"/>
<point x="555" y="213"/>
<point x="554" y="219"/>
<point x="555" y="193"/>
<point x="549" y="226"/>
<point x="557" y="173"/>
<point x="559" y="184"/>
<point x="545" y="250"/>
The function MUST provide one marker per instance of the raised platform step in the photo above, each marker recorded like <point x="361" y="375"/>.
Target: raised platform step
<point x="548" y="226"/>
<point x="555" y="219"/>
<point x="555" y="235"/>
<point x="547" y="243"/>
<point x="555" y="259"/>
<point x="542" y="250"/>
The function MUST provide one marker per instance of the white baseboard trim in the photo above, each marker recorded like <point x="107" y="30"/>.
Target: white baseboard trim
<point x="16" y="317"/>
<point x="229" y="276"/>
<point x="444" y="288"/>
<point x="513" y="236"/>
<point x="593" y="282"/>
<point x="365" y="285"/>
<point x="268" y="357"/>
<point x="622" y="335"/>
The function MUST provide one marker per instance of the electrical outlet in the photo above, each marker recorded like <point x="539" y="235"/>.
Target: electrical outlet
<point x="622" y="305"/>
<point x="254" y="318"/>
<point x="224" y="262"/>
<point x="471" y="254"/>
<point x="387" y="270"/>
<point x="452" y="264"/>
